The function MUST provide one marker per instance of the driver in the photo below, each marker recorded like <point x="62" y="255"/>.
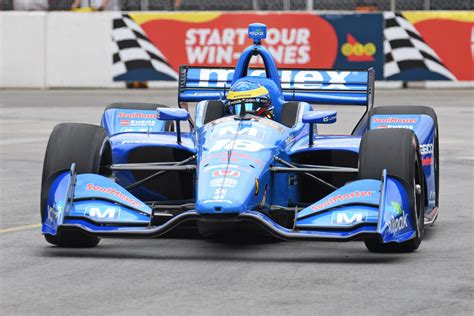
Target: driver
<point x="253" y="96"/>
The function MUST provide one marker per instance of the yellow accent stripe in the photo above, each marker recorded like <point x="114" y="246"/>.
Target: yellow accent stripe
<point x="420" y="16"/>
<point x="18" y="228"/>
<point x="190" y="17"/>
<point x="233" y="95"/>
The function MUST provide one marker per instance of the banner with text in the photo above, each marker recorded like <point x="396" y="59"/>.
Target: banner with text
<point x="399" y="46"/>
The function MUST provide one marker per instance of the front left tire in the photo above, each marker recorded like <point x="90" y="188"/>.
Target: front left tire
<point x="89" y="148"/>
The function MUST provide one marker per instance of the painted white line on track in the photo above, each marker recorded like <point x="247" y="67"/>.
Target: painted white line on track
<point x="22" y="140"/>
<point x="18" y="228"/>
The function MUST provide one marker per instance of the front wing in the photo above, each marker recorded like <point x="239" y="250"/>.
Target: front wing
<point x="98" y="206"/>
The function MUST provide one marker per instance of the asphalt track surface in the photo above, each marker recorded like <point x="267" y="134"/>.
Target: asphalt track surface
<point x="184" y="274"/>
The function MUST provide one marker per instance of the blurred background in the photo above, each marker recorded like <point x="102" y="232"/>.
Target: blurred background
<point x="143" y="43"/>
<point x="231" y="5"/>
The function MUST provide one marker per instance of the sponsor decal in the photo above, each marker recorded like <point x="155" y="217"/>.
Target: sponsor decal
<point x="137" y="115"/>
<point x="426" y="149"/>
<point x="112" y="191"/>
<point x="342" y="197"/>
<point x="223" y="182"/>
<point x="238" y="144"/>
<point x="356" y="51"/>
<point x="103" y="212"/>
<point x="55" y="210"/>
<point x="226" y="173"/>
<point x="138" y="123"/>
<point x="233" y="95"/>
<point x="396" y="120"/>
<point x="396" y="126"/>
<point x="220" y="194"/>
<point x="246" y="132"/>
<point x="427" y="161"/>
<point x="217" y="201"/>
<point x="257" y="32"/>
<point x="220" y="166"/>
<point x="348" y="217"/>
<point x="398" y="222"/>
<point x="148" y="141"/>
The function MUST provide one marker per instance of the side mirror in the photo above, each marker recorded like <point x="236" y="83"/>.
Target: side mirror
<point x="176" y="114"/>
<point x="322" y="117"/>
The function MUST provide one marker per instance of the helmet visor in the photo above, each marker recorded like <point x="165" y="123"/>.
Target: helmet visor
<point x="249" y="108"/>
<point x="252" y="106"/>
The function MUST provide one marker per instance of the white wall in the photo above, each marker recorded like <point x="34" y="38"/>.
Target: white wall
<point x="72" y="50"/>
<point x="22" y="54"/>
<point x="79" y="45"/>
<point x="56" y="50"/>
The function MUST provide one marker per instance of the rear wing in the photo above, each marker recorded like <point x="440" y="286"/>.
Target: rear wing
<point x="339" y="87"/>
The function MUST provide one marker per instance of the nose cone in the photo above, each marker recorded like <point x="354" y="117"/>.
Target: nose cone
<point x="226" y="189"/>
<point x="233" y="154"/>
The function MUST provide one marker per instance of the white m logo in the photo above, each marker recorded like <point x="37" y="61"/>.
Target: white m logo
<point x="103" y="212"/>
<point x="349" y="217"/>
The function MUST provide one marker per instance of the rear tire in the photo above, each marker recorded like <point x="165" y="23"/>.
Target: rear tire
<point x="396" y="150"/>
<point x="88" y="147"/>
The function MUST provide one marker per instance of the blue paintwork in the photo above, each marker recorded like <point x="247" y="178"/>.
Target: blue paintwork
<point x="101" y="211"/>
<point x="57" y="203"/>
<point x="424" y="128"/>
<point x="320" y="117"/>
<point x="395" y="226"/>
<point x="174" y="114"/>
<point x="237" y="152"/>
<point x="314" y="86"/>
<point x="365" y="192"/>
<point x="92" y="186"/>
<point x="257" y="32"/>
<point x="234" y="157"/>
<point x="117" y="121"/>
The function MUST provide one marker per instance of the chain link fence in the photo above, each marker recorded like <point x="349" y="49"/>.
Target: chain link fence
<point x="264" y="5"/>
<point x="286" y="5"/>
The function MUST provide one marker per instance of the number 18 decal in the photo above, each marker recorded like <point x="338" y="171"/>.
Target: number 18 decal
<point x="239" y="144"/>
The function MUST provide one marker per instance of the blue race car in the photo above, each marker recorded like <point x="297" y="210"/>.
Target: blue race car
<point x="253" y="157"/>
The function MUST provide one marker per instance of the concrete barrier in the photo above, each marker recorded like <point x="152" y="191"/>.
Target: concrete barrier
<point x="74" y="50"/>
<point x="22" y="49"/>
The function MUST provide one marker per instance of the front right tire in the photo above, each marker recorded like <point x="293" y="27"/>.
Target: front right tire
<point x="397" y="151"/>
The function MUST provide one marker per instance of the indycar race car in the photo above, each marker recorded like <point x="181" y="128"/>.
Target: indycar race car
<point x="253" y="157"/>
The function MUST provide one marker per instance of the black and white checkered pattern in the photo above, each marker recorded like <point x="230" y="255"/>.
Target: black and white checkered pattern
<point x="405" y="49"/>
<point x="135" y="55"/>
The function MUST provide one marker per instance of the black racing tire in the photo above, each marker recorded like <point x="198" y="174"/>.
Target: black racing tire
<point x="396" y="150"/>
<point x="169" y="125"/>
<point x="417" y="109"/>
<point x="86" y="145"/>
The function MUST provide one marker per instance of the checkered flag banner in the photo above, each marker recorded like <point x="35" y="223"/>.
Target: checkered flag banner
<point x="405" y="50"/>
<point x="135" y="58"/>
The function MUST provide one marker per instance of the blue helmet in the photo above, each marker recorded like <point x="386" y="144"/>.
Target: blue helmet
<point x="253" y="96"/>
